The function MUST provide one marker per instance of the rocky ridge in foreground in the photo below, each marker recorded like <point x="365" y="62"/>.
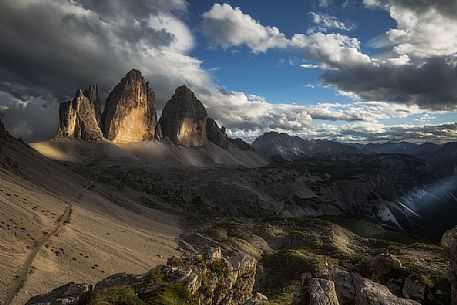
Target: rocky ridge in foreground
<point x="214" y="279"/>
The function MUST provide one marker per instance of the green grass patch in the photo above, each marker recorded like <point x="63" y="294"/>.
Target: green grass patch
<point x="117" y="296"/>
<point x="367" y="228"/>
<point x="286" y="267"/>
<point x="174" y="294"/>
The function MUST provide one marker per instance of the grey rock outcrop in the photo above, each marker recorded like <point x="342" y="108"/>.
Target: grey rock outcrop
<point x="413" y="288"/>
<point x="216" y="279"/>
<point x="69" y="294"/>
<point x="212" y="279"/>
<point x="77" y="119"/>
<point x="345" y="284"/>
<point x="449" y="243"/>
<point x="130" y="111"/>
<point x="383" y="264"/>
<point x="371" y="293"/>
<point x="184" y="118"/>
<point x="322" y="292"/>
<point x="216" y="135"/>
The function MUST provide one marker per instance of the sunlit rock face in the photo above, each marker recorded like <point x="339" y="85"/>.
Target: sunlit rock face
<point x="130" y="112"/>
<point x="449" y="244"/>
<point x="184" y="118"/>
<point x="216" y="135"/>
<point x="77" y="119"/>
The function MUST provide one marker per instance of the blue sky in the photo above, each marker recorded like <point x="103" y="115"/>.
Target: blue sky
<point x="355" y="70"/>
<point x="276" y="74"/>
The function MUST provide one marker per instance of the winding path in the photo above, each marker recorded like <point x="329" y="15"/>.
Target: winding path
<point x="38" y="245"/>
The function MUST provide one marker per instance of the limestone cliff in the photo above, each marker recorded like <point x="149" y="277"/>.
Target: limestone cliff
<point x="77" y="119"/>
<point x="184" y="118"/>
<point x="2" y="129"/>
<point x="92" y="94"/>
<point x="215" y="134"/>
<point x="130" y="112"/>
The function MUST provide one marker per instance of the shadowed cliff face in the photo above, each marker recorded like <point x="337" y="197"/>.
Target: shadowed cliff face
<point x="2" y="129"/>
<point x="184" y="118"/>
<point x="78" y="118"/>
<point x="93" y="95"/>
<point x="130" y="112"/>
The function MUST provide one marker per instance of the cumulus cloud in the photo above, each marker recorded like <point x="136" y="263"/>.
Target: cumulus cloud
<point x="229" y="26"/>
<point x="365" y="132"/>
<point x="324" y="22"/>
<point x="420" y="68"/>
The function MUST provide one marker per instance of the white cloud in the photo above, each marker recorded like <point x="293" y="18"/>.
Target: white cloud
<point x="423" y="30"/>
<point x="333" y="49"/>
<point x="228" y="27"/>
<point x="324" y="22"/>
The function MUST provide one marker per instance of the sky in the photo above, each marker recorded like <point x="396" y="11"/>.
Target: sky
<point x="348" y="70"/>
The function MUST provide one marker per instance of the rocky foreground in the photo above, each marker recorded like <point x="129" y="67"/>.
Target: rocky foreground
<point x="309" y="274"/>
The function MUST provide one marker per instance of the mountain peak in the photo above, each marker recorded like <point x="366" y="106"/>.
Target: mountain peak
<point x="184" y="119"/>
<point x="134" y="73"/>
<point x="130" y="112"/>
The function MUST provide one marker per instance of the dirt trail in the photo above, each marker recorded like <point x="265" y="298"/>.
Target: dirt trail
<point x="40" y="243"/>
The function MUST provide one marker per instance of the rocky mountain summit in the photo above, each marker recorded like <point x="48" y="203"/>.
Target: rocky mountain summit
<point x="216" y="135"/>
<point x="78" y="118"/>
<point x="184" y="118"/>
<point x="130" y="116"/>
<point x="130" y="111"/>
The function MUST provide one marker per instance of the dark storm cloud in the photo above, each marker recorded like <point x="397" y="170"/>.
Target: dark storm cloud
<point x="445" y="7"/>
<point x="51" y="48"/>
<point x="432" y="85"/>
<point x="58" y="47"/>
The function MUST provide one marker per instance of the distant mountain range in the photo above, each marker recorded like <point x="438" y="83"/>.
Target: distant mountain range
<point x="283" y="147"/>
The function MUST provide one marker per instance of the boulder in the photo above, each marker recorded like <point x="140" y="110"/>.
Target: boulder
<point x="371" y="293"/>
<point x="322" y="292"/>
<point x="345" y="284"/>
<point x="130" y="111"/>
<point x="413" y="288"/>
<point x="449" y="243"/>
<point x="216" y="135"/>
<point x="383" y="264"/>
<point x="69" y="294"/>
<point x="77" y="119"/>
<point x="184" y="119"/>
